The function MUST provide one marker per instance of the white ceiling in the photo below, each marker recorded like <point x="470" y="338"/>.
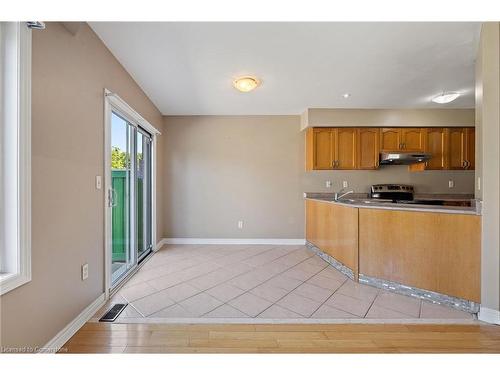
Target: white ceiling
<point x="188" y="68"/>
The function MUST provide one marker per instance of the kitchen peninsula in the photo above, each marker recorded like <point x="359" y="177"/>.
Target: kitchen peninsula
<point x="433" y="252"/>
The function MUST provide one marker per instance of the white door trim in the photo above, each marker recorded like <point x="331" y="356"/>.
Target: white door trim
<point x="114" y="102"/>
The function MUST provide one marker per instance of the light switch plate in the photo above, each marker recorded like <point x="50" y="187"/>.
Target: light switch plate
<point x="85" y="271"/>
<point x="98" y="182"/>
<point x="344" y="184"/>
<point x="240" y="224"/>
<point x="451" y="184"/>
<point x="328" y="184"/>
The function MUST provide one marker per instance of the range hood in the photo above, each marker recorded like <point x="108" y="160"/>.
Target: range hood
<point x="403" y="158"/>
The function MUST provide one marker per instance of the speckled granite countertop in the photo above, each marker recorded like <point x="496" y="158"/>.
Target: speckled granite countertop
<point x="361" y="200"/>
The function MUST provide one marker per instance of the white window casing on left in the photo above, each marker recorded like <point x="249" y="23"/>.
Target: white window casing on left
<point x="15" y="155"/>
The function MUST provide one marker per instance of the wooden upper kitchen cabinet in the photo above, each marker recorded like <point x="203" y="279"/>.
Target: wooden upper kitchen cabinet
<point x="402" y="139"/>
<point x="413" y="139"/>
<point x="461" y="148"/>
<point x="345" y="154"/>
<point x="319" y="148"/>
<point x="331" y="148"/>
<point x="390" y="139"/>
<point x="368" y="145"/>
<point x="436" y="143"/>
<point x="471" y="148"/>
<point x="358" y="148"/>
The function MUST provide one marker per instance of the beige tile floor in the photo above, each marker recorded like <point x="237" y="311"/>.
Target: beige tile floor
<point x="258" y="282"/>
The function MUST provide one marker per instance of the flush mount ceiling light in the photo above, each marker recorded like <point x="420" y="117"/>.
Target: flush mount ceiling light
<point x="346" y="95"/>
<point x="246" y="84"/>
<point x="446" y="97"/>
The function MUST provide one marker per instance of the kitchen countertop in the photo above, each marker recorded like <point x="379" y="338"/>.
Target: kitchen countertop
<point x="361" y="200"/>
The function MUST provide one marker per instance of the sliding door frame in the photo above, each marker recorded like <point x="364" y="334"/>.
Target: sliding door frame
<point x="113" y="103"/>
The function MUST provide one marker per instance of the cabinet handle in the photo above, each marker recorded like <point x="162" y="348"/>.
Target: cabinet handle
<point x="467" y="164"/>
<point x="463" y="164"/>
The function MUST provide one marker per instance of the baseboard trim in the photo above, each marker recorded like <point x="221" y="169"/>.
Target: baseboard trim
<point x="232" y="241"/>
<point x="160" y="244"/>
<point x="489" y="315"/>
<point x="67" y="332"/>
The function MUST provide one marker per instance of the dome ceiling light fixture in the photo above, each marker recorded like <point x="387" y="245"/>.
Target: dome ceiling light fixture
<point x="246" y="83"/>
<point x="446" y="97"/>
<point x="346" y="95"/>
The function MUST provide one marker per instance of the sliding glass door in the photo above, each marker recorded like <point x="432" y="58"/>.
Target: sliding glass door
<point x="143" y="192"/>
<point x="129" y="196"/>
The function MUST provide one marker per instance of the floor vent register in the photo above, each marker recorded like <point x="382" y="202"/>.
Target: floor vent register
<point x="113" y="312"/>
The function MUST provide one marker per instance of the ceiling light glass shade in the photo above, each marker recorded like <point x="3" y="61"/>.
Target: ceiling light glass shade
<point x="445" y="97"/>
<point x="246" y="84"/>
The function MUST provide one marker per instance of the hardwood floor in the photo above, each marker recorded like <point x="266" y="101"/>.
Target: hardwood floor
<point x="284" y="338"/>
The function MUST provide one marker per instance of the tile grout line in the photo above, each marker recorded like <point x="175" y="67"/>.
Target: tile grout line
<point x="188" y="256"/>
<point x="330" y="296"/>
<point x="204" y="290"/>
<point x="394" y="310"/>
<point x="184" y="269"/>
<point x="371" y="304"/>
<point x="253" y="268"/>
<point x="249" y="291"/>
<point x="303" y="282"/>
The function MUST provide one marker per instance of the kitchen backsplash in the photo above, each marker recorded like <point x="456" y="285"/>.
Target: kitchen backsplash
<point x="360" y="181"/>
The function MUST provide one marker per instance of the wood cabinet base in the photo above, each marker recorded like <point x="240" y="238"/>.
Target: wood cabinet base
<point x="432" y="251"/>
<point x="334" y="229"/>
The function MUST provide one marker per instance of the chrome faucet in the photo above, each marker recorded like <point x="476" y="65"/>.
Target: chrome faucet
<point x="341" y="194"/>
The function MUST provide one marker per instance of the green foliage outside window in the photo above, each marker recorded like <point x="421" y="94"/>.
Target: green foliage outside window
<point x="120" y="159"/>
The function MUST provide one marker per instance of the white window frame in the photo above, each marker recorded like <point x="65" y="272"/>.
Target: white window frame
<point x="15" y="155"/>
<point x="113" y="102"/>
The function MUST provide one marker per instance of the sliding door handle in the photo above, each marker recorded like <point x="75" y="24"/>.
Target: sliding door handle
<point x="112" y="198"/>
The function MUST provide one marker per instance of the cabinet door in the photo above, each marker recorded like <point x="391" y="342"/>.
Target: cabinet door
<point x="368" y="146"/>
<point x="471" y="148"/>
<point x="345" y="148"/>
<point x="457" y="148"/>
<point x="390" y="139"/>
<point x="412" y="139"/>
<point x="323" y="148"/>
<point x="436" y="144"/>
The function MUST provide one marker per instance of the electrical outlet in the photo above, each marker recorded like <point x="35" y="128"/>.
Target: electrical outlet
<point x="328" y="184"/>
<point x="451" y="184"/>
<point x="344" y="184"/>
<point x="98" y="182"/>
<point x="85" y="271"/>
<point x="240" y="224"/>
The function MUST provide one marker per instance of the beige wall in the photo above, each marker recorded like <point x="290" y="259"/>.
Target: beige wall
<point x="488" y="159"/>
<point x="70" y="73"/>
<point x="387" y="117"/>
<point x="219" y="170"/>
<point x="223" y="169"/>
